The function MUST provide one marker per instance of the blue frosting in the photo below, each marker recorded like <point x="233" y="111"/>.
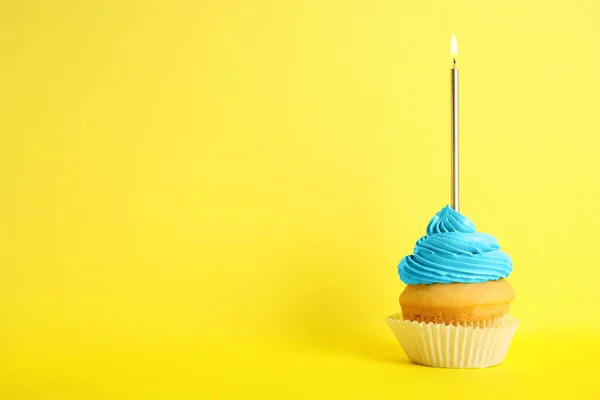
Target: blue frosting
<point x="452" y="251"/>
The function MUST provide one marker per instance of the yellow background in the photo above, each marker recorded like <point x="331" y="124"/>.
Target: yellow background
<point x="208" y="199"/>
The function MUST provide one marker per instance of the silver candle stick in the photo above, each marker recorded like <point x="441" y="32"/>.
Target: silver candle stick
<point x="454" y="95"/>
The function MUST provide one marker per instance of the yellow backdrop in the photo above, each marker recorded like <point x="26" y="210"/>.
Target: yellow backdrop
<point x="209" y="199"/>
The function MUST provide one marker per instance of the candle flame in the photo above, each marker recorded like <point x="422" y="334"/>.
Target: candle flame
<point x="453" y="46"/>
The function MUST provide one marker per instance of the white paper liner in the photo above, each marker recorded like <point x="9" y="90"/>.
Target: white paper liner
<point x="450" y="346"/>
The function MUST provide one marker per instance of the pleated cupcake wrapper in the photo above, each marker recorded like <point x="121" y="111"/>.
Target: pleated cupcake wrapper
<point x="451" y="346"/>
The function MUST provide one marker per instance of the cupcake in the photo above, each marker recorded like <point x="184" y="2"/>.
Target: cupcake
<point x="456" y="302"/>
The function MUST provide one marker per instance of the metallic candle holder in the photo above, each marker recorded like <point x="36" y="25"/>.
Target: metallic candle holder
<point x="454" y="95"/>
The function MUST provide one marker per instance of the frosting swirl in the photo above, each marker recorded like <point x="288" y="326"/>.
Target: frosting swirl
<point x="452" y="251"/>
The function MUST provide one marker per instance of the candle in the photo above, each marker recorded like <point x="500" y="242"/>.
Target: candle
<point x="454" y="95"/>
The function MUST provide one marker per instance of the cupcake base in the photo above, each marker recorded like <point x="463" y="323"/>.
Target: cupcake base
<point x="454" y="346"/>
<point x="456" y="303"/>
